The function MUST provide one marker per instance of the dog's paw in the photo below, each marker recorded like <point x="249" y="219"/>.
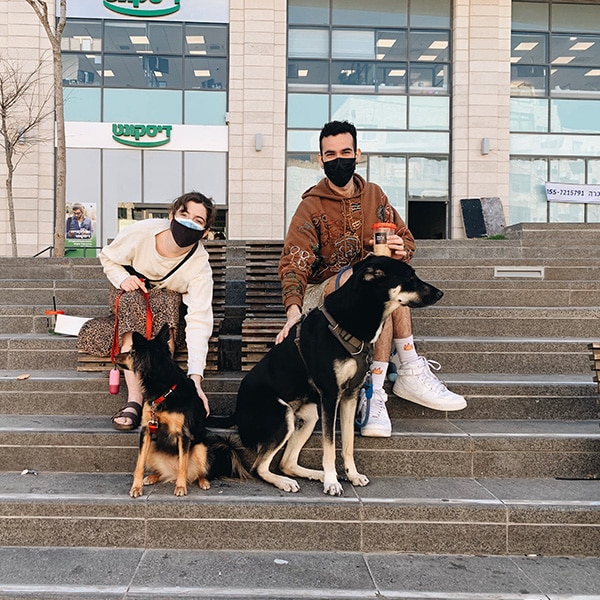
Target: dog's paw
<point x="151" y="479"/>
<point x="287" y="485"/>
<point x="203" y="484"/>
<point x="135" y="491"/>
<point x="181" y="490"/>
<point x="333" y="488"/>
<point x="359" y="480"/>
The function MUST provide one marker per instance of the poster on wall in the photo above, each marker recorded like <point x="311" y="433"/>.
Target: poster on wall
<point x="80" y="229"/>
<point x="214" y="11"/>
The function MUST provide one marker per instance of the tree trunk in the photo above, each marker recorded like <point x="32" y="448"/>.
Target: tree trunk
<point x="61" y="156"/>
<point x="11" y="210"/>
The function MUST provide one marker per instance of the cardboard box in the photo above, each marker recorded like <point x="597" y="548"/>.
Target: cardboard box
<point x="68" y="325"/>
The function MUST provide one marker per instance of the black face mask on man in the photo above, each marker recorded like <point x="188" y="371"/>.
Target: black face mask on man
<point x="340" y="170"/>
<point x="186" y="232"/>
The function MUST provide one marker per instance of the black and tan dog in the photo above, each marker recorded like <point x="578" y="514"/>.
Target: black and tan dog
<point x="322" y="364"/>
<point x="174" y="444"/>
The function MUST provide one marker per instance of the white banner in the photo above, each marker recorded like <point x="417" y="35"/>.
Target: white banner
<point x="572" y="192"/>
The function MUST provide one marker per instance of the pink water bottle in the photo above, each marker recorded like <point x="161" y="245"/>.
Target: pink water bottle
<point x="113" y="381"/>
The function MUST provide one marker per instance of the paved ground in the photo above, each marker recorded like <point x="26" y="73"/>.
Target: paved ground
<point x="71" y="573"/>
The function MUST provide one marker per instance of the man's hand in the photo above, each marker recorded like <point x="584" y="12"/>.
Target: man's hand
<point x="133" y="283"/>
<point x="197" y="379"/>
<point x="293" y="316"/>
<point x="396" y="245"/>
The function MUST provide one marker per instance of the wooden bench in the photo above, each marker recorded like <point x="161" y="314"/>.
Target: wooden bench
<point x="595" y="358"/>
<point x="217" y="251"/>
<point x="265" y="314"/>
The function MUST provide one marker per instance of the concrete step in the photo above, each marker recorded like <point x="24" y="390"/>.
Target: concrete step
<point x="464" y="354"/>
<point x="440" y="515"/>
<point x="494" y="322"/>
<point x="418" y="447"/>
<point x="135" y="573"/>
<point x="538" y="397"/>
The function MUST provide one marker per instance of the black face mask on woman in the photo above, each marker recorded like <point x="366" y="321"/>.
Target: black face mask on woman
<point x="185" y="232"/>
<point x="340" y="170"/>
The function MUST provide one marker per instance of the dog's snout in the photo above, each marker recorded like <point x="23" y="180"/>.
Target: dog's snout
<point x="438" y="295"/>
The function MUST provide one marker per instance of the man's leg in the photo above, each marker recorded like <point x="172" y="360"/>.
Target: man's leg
<point x="415" y="381"/>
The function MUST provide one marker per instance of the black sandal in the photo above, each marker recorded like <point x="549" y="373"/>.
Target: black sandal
<point x="134" y="417"/>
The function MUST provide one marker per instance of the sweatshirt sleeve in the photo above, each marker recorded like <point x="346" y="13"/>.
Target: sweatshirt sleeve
<point x="298" y="256"/>
<point x="121" y="251"/>
<point x="198" y="320"/>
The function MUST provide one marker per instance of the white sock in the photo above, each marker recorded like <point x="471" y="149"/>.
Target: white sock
<point x="406" y="349"/>
<point x="378" y="373"/>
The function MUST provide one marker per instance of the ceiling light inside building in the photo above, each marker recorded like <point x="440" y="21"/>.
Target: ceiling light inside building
<point x="427" y="57"/>
<point x="397" y="73"/>
<point x="439" y="45"/>
<point x="592" y="73"/>
<point x="202" y="72"/>
<point x="581" y="46"/>
<point x="139" y="39"/>
<point x="526" y="46"/>
<point x="563" y="60"/>
<point x="386" y="42"/>
<point x="195" y="39"/>
<point x="302" y="72"/>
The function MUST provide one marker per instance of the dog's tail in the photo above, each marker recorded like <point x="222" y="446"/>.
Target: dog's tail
<point x="227" y="458"/>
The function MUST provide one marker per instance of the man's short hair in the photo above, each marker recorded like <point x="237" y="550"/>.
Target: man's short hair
<point x="335" y="128"/>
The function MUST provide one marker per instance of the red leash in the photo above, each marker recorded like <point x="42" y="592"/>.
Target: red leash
<point x="115" y="345"/>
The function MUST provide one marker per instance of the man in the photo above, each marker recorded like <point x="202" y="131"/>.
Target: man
<point x="331" y="231"/>
<point x="78" y="225"/>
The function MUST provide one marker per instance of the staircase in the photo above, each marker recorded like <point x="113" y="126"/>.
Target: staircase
<point x="513" y="476"/>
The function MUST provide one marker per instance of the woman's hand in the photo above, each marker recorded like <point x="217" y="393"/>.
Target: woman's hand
<point x="132" y="283"/>
<point x="197" y="379"/>
<point x="293" y="316"/>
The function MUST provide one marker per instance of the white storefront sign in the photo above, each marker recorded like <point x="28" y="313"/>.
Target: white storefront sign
<point x="573" y="193"/>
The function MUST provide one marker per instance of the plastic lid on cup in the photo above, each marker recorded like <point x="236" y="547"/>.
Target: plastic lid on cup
<point x="390" y="226"/>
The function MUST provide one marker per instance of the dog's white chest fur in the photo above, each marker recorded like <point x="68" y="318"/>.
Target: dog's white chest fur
<point x="344" y="370"/>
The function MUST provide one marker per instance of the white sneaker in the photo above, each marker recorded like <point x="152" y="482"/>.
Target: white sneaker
<point x="418" y="384"/>
<point x="373" y="415"/>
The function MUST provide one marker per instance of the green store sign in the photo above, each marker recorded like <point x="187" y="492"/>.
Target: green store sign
<point x="143" y="8"/>
<point x="137" y="136"/>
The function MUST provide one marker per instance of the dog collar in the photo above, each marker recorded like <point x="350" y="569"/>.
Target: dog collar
<point x="153" y="423"/>
<point x="351" y="343"/>
<point x="165" y="395"/>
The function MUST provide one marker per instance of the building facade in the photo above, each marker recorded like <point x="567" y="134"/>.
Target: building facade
<point x="453" y="99"/>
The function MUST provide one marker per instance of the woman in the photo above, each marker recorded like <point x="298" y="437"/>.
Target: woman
<point x="156" y="248"/>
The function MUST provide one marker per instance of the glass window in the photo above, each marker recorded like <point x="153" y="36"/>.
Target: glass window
<point x="429" y="46"/>
<point x="575" y="116"/>
<point x="530" y="15"/>
<point x="391" y="45"/>
<point x="390" y="173"/>
<point x="205" y="40"/>
<point x="574" y="81"/>
<point x="308" y="12"/>
<point x="308" y="75"/>
<point x="81" y="70"/>
<point x="207" y="173"/>
<point x="375" y="13"/>
<point x="162" y="107"/>
<point x="429" y="113"/>
<point x="308" y="110"/>
<point x="430" y="13"/>
<point x="583" y="50"/>
<point x="526" y="80"/>
<point x="528" y="48"/>
<point x="82" y="36"/>
<point x="529" y="114"/>
<point x="355" y="74"/>
<point x="527" y="201"/>
<point x="370" y="112"/>
<point x="205" y="108"/>
<point x="83" y="104"/>
<point x="147" y="71"/>
<point x="157" y="187"/>
<point x="308" y="43"/>
<point x="427" y="178"/>
<point x="570" y="18"/>
<point x="302" y="171"/>
<point x="391" y="78"/>
<point x="205" y="73"/>
<point x="356" y="44"/>
<point x="429" y="79"/>
<point x="143" y="38"/>
<point x="593" y="210"/>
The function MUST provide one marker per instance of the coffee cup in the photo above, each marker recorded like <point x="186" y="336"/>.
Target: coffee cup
<point x="380" y="236"/>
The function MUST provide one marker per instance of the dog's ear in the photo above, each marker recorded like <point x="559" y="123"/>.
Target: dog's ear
<point x="137" y="338"/>
<point x="372" y="273"/>
<point x="164" y="334"/>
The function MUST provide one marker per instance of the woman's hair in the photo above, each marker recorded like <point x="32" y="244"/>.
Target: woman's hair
<point x="198" y="198"/>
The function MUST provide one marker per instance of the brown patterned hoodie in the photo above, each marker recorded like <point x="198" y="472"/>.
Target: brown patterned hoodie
<point x="329" y="232"/>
